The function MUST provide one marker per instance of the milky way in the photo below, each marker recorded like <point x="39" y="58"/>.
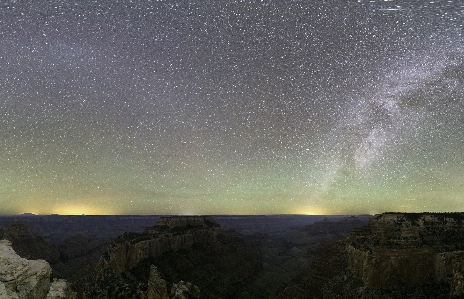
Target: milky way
<point x="231" y="107"/>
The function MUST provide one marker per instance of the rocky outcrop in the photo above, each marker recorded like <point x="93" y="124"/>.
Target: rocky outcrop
<point x="157" y="288"/>
<point x="194" y="249"/>
<point x="399" y="250"/>
<point x="184" y="290"/>
<point x="156" y="285"/>
<point x="26" y="244"/>
<point x="169" y="234"/>
<point x="397" y="255"/>
<point x="21" y="278"/>
<point x="457" y="276"/>
<point x="28" y="279"/>
<point x="60" y="289"/>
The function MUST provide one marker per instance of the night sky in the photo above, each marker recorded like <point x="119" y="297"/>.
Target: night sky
<point x="231" y="107"/>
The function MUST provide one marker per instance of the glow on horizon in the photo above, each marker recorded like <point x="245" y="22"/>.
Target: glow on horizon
<point x="254" y="110"/>
<point x="70" y="209"/>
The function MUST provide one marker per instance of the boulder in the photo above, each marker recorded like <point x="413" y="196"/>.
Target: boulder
<point x="21" y="278"/>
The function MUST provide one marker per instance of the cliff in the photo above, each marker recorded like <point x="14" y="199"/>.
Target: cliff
<point x="397" y="255"/>
<point x="168" y="234"/>
<point x="408" y="250"/>
<point x="24" y="279"/>
<point x="194" y="250"/>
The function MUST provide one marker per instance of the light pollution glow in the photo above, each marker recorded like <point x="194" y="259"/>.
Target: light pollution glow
<point x="236" y="107"/>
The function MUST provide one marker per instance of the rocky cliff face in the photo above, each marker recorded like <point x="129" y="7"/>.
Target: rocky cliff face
<point x="22" y="278"/>
<point x="396" y="255"/>
<point x="190" y="249"/>
<point x="399" y="250"/>
<point x="169" y="234"/>
<point x="26" y="279"/>
<point x="457" y="275"/>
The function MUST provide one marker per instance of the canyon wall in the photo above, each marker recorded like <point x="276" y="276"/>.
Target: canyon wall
<point x="169" y="234"/>
<point x="189" y="254"/>
<point x="400" y="250"/>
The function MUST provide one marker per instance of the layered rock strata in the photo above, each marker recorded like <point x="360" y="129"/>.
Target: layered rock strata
<point x="400" y="250"/>
<point x="188" y="253"/>
<point x="169" y="234"/>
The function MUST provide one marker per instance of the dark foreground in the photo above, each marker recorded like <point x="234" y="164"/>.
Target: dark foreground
<point x="278" y="256"/>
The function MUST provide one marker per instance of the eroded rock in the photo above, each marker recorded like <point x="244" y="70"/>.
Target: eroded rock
<point x="184" y="290"/>
<point x="156" y="285"/>
<point x="22" y="278"/>
<point x="409" y="250"/>
<point x="194" y="249"/>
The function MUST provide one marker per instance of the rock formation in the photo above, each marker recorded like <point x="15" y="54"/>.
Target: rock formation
<point x="457" y="279"/>
<point x="169" y="234"/>
<point x="59" y="289"/>
<point x="157" y="288"/>
<point x="27" y="279"/>
<point x="397" y="255"/>
<point x="193" y="249"/>
<point x="410" y="249"/>
<point x="21" y="278"/>
<point x="156" y="285"/>
<point x="184" y="290"/>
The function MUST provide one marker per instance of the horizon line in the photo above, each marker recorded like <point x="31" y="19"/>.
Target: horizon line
<point x="225" y="214"/>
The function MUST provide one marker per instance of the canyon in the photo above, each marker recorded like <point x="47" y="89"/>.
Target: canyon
<point x="390" y="255"/>
<point x="396" y="255"/>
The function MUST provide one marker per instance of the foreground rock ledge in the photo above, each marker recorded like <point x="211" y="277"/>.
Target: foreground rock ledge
<point x="25" y="279"/>
<point x="22" y="278"/>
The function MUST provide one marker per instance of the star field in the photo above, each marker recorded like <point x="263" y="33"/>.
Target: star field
<point x="231" y="107"/>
